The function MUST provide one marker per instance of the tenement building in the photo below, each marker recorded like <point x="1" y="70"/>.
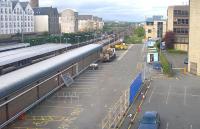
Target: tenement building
<point x="16" y="17"/>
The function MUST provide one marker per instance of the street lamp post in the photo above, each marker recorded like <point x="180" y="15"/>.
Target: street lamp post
<point x="78" y="39"/>
<point x="66" y="39"/>
<point x="94" y="36"/>
<point x="87" y="37"/>
<point x="60" y="37"/>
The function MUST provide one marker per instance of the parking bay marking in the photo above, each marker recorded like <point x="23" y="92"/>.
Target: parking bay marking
<point x="185" y="95"/>
<point x="150" y="96"/>
<point x="167" y="126"/>
<point x="168" y="94"/>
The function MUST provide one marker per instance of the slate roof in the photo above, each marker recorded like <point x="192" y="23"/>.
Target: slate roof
<point x="85" y="17"/>
<point x="24" y="4"/>
<point x="45" y="11"/>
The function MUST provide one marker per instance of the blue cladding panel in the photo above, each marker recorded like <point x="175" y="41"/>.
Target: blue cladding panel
<point x="135" y="87"/>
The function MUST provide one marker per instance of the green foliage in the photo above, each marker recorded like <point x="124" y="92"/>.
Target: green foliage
<point x="165" y="65"/>
<point x="140" y="32"/>
<point x="176" y="51"/>
<point x="133" y="39"/>
<point x="137" y="37"/>
<point x="65" y="38"/>
<point x="157" y="45"/>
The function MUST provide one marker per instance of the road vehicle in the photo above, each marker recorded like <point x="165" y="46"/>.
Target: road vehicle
<point x="157" y="66"/>
<point x="186" y="60"/>
<point x="150" y="120"/>
<point x="108" y="55"/>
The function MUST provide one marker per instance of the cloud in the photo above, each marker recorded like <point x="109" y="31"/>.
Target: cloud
<point x="128" y="10"/>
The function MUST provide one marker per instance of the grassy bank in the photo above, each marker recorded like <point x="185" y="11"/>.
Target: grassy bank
<point x="176" y="51"/>
<point x="165" y="65"/>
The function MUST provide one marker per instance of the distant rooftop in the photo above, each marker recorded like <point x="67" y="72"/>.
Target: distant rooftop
<point x="85" y="17"/>
<point x="155" y="18"/>
<point x="45" y="11"/>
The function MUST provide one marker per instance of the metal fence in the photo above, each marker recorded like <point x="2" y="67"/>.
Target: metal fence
<point x="116" y="112"/>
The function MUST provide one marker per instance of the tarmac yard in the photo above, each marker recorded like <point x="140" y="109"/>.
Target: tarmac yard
<point x="177" y="102"/>
<point x="86" y="102"/>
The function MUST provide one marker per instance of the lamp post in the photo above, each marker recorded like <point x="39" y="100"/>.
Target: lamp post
<point x="87" y="37"/>
<point x="78" y="39"/>
<point x="94" y="35"/>
<point x="66" y="39"/>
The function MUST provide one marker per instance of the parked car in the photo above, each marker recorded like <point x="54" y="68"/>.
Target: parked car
<point x="186" y="60"/>
<point x="150" y="120"/>
<point x="156" y="65"/>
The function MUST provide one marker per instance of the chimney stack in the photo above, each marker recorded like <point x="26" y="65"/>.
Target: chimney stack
<point x="34" y="3"/>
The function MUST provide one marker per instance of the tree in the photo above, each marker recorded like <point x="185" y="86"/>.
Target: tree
<point x="140" y="32"/>
<point x="169" y="39"/>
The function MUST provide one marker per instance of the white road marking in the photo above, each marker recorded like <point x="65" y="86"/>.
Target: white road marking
<point x="151" y="93"/>
<point x="195" y="95"/>
<point x="190" y="126"/>
<point x="115" y="90"/>
<point x="123" y="54"/>
<point x="105" y="105"/>
<point x="167" y="126"/>
<point x="168" y="94"/>
<point x="185" y="95"/>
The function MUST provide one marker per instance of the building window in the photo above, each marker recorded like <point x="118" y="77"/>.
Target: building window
<point x="181" y="31"/>
<point x="2" y="25"/>
<point x="1" y="17"/>
<point x="6" y="25"/>
<point x="6" y="18"/>
<point x="149" y="30"/>
<point x="6" y="11"/>
<point x="181" y="13"/>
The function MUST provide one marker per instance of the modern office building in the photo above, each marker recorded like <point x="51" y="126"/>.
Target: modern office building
<point x="16" y="17"/>
<point x="178" y="22"/>
<point x="194" y="38"/>
<point x="46" y="20"/>
<point x="155" y="27"/>
<point x="69" y="21"/>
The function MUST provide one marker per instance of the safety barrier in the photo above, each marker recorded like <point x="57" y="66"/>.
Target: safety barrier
<point x="118" y="110"/>
<point x="135" y="87"/>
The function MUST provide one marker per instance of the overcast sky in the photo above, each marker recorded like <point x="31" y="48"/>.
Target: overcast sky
<point x="123" y="10"/>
